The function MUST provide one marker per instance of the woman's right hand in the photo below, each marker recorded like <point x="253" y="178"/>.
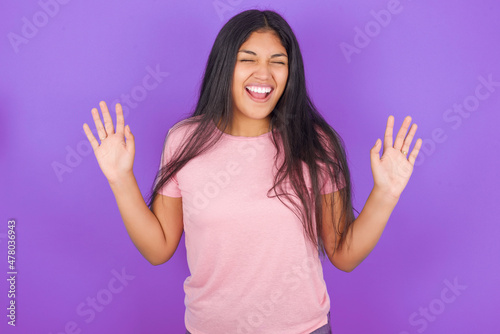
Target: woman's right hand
<point x="114" y="155"/>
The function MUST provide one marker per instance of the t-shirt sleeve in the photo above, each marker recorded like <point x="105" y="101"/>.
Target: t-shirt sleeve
<point x="171" y="187"/>
<point x="327" y="183"/>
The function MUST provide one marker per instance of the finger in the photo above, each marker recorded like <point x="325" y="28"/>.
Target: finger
<point x="130" y="139"/>
<point x="375" y="152"/>
<point x="90" y="136"/>
<point x="400" y="137"/>
<point x="409" y="138"/>
<point x="108" y="122"/>
<point x="120" y="123"/>
<point x="101" y="132"/>
<point x="414" y="152"/>
<point x="388" y="132"/>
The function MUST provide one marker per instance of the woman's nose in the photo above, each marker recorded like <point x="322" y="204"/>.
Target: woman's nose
<point x="263" y="70"/>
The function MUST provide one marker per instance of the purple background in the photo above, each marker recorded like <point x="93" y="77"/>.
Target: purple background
<point x="70" y="236"/>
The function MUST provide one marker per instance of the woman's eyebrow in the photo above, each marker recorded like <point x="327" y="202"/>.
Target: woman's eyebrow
<point x="273" y="56"/>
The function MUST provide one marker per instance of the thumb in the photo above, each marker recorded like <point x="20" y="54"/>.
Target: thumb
<point x="130" y="139"/>
<point x="375" y="151"/>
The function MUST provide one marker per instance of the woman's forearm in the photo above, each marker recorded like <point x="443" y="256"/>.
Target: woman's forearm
<point x="366" y="230"/>
<point x="142" y="225"/>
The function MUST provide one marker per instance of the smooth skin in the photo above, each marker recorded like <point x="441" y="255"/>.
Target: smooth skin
<point x="391" y="174"/>
<point x="261" y="59"/>
<point x="157" y="234"/>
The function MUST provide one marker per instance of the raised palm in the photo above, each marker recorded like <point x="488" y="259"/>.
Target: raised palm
<point x="114" y="155"/>
<point x="392" y="171"/>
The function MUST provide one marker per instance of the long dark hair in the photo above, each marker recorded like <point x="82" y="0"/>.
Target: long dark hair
<point x="297" y="127"/>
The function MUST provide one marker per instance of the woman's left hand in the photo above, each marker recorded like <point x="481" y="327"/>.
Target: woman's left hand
<point x="392" y="171"/>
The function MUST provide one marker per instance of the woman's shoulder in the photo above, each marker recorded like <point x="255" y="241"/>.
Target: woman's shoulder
<point x="324" y="133"/>
<point x="183" y="127"/>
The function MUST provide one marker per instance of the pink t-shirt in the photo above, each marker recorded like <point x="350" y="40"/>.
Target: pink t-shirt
<point x="252" y="268"/>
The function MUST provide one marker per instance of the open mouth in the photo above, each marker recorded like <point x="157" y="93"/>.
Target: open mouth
<point x="257" y="95"/>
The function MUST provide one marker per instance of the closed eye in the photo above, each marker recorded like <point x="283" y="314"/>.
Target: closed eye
<point x="274" y="62"/>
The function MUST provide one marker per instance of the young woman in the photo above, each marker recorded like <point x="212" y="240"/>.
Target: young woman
<point x="259" y="183"/>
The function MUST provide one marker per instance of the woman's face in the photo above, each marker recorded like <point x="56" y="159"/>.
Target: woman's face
<point x="260" y="76"/>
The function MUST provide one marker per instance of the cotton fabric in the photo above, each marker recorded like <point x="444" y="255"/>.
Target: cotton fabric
<point x="252" y="268"/>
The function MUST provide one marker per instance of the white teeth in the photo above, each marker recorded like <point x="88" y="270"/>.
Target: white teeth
<point x="259" y="89"/>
